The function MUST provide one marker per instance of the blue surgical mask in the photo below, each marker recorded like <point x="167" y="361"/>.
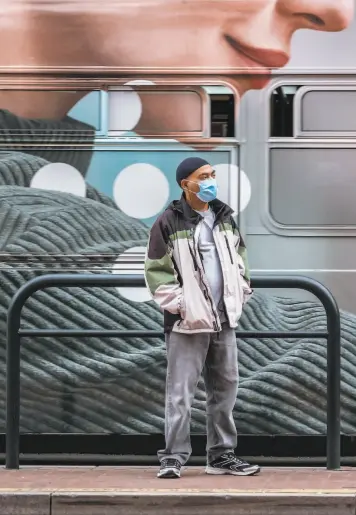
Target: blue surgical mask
<point x="208" y="190"/>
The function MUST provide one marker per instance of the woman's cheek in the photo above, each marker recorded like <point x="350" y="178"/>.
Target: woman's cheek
<point x="172" y="113"/>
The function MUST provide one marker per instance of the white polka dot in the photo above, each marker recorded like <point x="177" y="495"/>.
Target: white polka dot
<point x="140" y="82"/>
<point x="132" y="262"/>
<point x="125" y="109"/>
<point x="141" y="190"/>
<point x="228" y="181"/>
<point x="59" y="177"/>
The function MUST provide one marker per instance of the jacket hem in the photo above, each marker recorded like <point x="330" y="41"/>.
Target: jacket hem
<point x="194" y="331"/>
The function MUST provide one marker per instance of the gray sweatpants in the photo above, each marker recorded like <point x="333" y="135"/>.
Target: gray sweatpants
<point x="187" y="356"/>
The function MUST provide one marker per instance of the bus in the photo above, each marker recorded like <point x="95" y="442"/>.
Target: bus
<point x="99" y="103"/>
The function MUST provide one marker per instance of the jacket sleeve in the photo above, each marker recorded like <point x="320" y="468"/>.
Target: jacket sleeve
<point x="242" y="260"/>
<point x="160" y="274"/>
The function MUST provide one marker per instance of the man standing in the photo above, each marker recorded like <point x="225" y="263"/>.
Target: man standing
<point x="196" y="270"/>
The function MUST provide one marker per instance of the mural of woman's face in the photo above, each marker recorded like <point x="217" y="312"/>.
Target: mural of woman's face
<point x="235" y="39"/>
<point x="211" y="36"/>
<point x="208" y="35"/>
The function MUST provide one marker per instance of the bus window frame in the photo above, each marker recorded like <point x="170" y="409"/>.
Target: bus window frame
<point x="326" y="85"/>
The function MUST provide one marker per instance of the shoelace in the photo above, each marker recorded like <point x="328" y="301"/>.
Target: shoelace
<point x="236" y="460"/>
<point x="170" y="462"/>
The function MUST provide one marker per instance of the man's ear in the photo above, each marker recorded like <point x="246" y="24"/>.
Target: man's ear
<point x="183" y="184"/>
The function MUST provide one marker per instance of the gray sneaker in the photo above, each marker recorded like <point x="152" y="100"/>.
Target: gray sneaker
<point x="170" y="468"/>
<point x="228" y="463"/>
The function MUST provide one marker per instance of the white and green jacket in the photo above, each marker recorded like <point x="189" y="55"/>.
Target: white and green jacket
<point x="175" y="275"/>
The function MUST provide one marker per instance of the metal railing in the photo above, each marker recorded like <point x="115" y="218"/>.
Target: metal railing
<point x="15" y="333"/>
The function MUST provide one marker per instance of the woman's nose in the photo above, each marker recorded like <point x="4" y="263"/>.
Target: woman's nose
<point x="325" y="15"/>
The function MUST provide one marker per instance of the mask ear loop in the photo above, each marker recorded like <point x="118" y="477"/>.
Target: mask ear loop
<point x="190" y="191"/>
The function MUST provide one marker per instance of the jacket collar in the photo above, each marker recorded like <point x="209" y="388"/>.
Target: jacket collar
<point x="221" y="210"/>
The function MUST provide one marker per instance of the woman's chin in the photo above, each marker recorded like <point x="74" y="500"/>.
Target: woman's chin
<point x="183" y="120"/>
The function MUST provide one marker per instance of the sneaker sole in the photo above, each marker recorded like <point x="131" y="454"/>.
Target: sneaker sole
<point x="219" y="472"/>
<point x="169" y="474"/>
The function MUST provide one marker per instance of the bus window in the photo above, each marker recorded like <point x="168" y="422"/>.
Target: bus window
<point x="222" y="116"/>
<point x="182" y="111"/>
<point x="331" y="112"/>
<point x="312" y="187"/>
<point x="281" y="122"/>
<point x="81" y="106"/>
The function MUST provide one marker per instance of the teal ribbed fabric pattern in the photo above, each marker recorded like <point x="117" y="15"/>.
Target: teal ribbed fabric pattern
<point x="96" y="385"/>
<point x="14" y="129"/>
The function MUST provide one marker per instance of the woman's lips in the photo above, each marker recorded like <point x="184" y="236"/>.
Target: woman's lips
<point x="258" y="62"/>
<point x="259" y="57"/>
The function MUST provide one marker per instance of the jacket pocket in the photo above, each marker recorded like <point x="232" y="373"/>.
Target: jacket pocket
<point x="196" y="314"/>
<point x="182" y="309"/>
<point x="247" y="292"/>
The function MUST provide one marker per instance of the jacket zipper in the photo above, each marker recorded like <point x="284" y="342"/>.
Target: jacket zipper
<point x="228" y="248"/>
<point x="193" y="257"/>
<point x="232" y="262"/>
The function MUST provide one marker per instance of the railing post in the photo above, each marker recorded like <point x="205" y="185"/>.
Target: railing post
<point x="333" y="355"/>
<point x="13" y="349"/>
<point x="13" y="386"/>
<point x="333" y="384"/>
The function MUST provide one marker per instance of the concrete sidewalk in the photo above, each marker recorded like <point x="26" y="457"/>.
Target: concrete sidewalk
<point x="137" y="491"/>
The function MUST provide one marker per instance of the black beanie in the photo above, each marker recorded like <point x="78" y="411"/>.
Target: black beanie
<point x="189" y="166"/>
